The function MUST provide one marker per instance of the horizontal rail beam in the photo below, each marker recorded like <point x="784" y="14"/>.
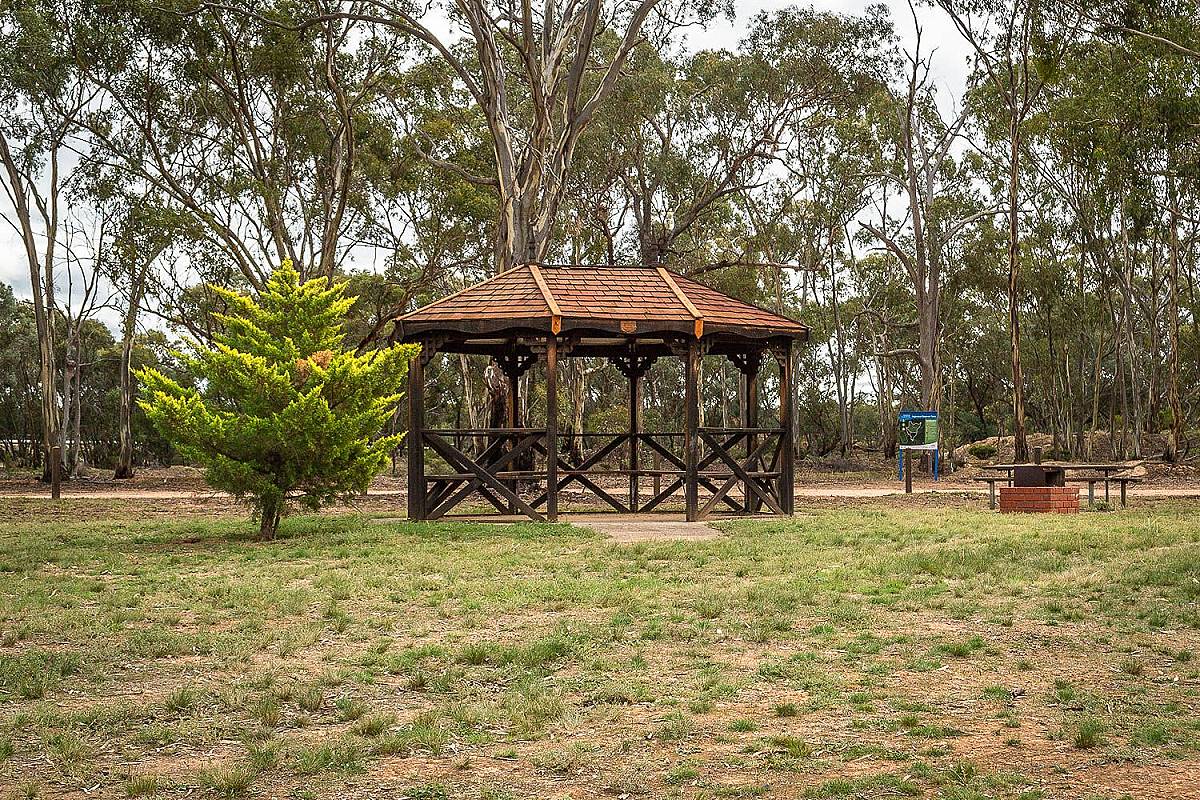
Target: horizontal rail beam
<point x="483" y="431"/>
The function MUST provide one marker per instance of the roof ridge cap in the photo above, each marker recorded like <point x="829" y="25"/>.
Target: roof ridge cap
<point x="687" y="303"/>
<point x="590" y="266"/>
<point x="548" y="298"/>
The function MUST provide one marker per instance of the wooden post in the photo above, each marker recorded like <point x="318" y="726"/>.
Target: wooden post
<point x="513" y="420"/>
<point x="551" y="428"/>
<point x="514" y="399"/>
<point x="750" y="420"/>
<point x="787" y="459"/>
<point x="908" y="468"/>
<point x="55" y="472"/>
<point x="416" y="439"/>
<point x="635" y="427"/>
<point x="691" y="435"/>
<point x="656" y="480"/>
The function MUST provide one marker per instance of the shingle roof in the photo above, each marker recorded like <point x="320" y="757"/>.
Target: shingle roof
<point x="626" y="299"/>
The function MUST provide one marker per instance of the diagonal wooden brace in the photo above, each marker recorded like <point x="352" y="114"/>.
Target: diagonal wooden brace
<point x="591" y="460"/>
<point x="482" y="475"/>
<point x="733" y="479"/>
<point x="738" y="472"/>
<point x="678" y="482"/>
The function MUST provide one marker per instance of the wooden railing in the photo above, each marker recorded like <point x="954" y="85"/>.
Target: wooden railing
<point x="727" y="458"/>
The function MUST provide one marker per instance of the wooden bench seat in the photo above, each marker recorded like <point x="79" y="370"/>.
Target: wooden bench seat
<point x="991" y="481"/>
<point x="1091" y="480"/>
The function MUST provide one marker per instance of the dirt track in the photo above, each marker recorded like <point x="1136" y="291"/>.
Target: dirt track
<point x="850" y="491"/>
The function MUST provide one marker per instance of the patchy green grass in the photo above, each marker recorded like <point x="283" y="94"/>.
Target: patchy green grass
<point x="843" y="653"/>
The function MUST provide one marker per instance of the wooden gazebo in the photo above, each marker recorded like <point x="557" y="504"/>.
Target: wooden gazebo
<point x="631" y="316"/>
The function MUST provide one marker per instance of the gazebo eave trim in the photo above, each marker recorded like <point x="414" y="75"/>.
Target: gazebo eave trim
<point x="462" y="328"/>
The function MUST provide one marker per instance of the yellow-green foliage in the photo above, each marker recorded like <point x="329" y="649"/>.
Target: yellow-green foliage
<point x="282" y="412"/>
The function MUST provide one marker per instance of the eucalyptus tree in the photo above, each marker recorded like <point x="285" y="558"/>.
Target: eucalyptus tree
<point x="1114" y="144"/>
<point x="923" y="202"/>
<point x="47" y="100"/>
<point x="252" y="124"/>
<point x="882" y="299"/>
<point x="20" y="404"/>
<point x="1171" y="25"/>
<point x="145" y="232"/>
<point x="1164" y="40"/>
<point x="422" y="221"/>
<point x="1014" y="40"/>
<point x="828" y="164"/>
<point x="538" y="74"/>
<point x="691" y="134"/>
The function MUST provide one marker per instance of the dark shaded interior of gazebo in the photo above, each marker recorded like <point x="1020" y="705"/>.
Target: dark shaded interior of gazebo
<point x="540" y="314"/>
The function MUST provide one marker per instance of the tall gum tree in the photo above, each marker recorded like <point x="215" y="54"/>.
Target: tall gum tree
<point x="688" y="136"/>
<point x="538" y="74"/>
<point x="254" y="125"/>
<point x="1004" y="35"/>
<point x="1164" y="38"/>
<point x="918" y="166"/>
<point x="45" y="100"/>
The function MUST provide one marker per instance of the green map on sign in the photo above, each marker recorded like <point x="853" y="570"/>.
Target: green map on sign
<point x="917" y="432"/>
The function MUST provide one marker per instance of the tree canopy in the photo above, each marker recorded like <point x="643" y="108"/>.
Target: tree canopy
<point x="1022" y="256"/>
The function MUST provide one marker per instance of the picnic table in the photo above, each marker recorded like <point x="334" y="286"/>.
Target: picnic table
<point x="1106" y="473"/>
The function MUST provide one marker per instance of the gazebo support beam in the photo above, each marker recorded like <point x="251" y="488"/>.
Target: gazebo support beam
<point x="635" y="427"/>
<point x="749" y="365"/>
<point x="551" y="428"/>
<point x="514" y="365"/>
<point x="691" y="431"/>
<point x="787" y="455"/>
<point x="634" y="366"/>
<point x="513" y="418"/>
<point x="416" y="437"/>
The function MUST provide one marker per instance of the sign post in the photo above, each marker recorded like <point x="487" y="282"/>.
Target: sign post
<point x="918" y="431"/>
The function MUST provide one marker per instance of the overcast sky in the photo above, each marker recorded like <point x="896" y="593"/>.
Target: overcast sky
<point x="950" y="64"/>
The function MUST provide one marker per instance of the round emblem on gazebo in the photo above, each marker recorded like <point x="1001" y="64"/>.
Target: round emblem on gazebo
<point x="628" y="326"/>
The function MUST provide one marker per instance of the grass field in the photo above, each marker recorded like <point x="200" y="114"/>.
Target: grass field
<point x="872" y="652"/>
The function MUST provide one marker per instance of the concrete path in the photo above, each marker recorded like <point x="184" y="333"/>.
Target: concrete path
<point x="628" y="530"/>
<point x="624" y="528"/>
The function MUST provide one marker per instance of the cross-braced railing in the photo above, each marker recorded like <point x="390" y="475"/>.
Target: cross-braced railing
<point x="741" y="459"/>
<point x="489" y="474"/>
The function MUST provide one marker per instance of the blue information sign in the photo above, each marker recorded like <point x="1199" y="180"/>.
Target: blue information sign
<point x="918" y="430"/>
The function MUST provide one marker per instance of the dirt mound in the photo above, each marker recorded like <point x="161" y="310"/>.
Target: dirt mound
<point x="1172" y="474"/>
<point x="1098" y="446"/>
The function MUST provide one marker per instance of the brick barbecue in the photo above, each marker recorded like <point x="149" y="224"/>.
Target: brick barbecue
<point x="1039" y="489"/>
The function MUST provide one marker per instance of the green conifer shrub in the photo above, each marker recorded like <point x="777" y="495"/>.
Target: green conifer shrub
<point x="282" y="413"/>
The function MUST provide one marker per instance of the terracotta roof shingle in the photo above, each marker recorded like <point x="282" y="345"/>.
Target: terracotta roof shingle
<point x="628" y="299"/>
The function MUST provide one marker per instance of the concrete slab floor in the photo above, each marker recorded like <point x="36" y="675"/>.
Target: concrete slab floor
<point x="625" y="528"/>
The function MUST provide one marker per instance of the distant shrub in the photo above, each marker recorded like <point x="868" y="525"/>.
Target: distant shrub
<point x="982" y="450"/>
